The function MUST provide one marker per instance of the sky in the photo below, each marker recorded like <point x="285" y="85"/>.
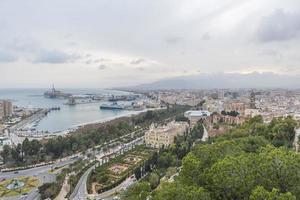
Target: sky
<point x="112" y="43"/>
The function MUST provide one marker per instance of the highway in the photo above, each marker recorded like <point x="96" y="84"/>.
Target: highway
<point x="35" y="171"/>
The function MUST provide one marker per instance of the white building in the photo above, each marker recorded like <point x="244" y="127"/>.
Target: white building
<point x="195" y="115"/>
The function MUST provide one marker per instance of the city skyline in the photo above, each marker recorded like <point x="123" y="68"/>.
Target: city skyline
<point x="125" y="43"/>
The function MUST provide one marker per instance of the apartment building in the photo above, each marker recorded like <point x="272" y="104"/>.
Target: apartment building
<point x="6" y="109"/>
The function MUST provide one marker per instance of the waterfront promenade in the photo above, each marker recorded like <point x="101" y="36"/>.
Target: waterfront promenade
<point x="17" y="137"/>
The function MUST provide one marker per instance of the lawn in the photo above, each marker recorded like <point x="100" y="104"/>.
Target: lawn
<point x="30" y="183"/>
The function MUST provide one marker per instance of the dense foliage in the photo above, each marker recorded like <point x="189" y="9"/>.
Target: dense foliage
<point x="51" y="190"/>
<point x="253" y="161"/>
<point x="30" y="152"/>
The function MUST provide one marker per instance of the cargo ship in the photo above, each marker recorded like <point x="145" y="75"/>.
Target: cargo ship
<point x="112" y="106"/>
<point x="53" y="93"/>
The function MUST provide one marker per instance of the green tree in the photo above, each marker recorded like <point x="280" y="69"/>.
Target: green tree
<point x="6" y="153"/>
<point x="177" y="191"/>
<point x="26" y="146"/>
<point x="280" y="168"/>
<point x="259" y="193"/>
<point x="153" y="180"/>
<point x="166" y="159"/>
<point x="202" y="157"/>
<point x="191" y="171"/>
<point x="282" y="130"/>
<point x="137" y="191"/>
<point x="171" y="171"/>
<point x="232" y="177"/>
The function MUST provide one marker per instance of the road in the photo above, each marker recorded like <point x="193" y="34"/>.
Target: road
<point x="80" y="191"/>
<point x="35" y="171"/>
<point x="15" y="139"/>
<point x="42" y="173"/>
<point x="111" y="193"/>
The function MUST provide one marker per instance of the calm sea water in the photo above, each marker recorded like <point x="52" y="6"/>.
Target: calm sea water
<point x="68" y="116"/>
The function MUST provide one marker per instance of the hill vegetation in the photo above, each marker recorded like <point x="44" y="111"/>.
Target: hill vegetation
<point x="254" y="161"/>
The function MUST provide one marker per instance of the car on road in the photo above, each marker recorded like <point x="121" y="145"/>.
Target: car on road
<point x="16" y="172"/>
<point x="74" y="157"/>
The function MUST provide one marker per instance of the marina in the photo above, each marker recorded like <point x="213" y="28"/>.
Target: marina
<point x="36" y="114"/>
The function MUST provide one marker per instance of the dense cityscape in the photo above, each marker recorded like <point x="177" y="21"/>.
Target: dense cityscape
<point x="105" y="160"/>
<point x="149" y="100"/>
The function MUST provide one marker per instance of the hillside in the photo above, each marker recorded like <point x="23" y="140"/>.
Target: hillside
<point x="254" y="161"/>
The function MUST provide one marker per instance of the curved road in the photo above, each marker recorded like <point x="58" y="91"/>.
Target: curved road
<point x="80" y="191"/>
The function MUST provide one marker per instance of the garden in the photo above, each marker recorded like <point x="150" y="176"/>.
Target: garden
<point x="114" y="172"/>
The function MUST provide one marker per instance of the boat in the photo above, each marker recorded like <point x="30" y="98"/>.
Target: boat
<point x="71" y="101"/>
<point x="112" y="106"/>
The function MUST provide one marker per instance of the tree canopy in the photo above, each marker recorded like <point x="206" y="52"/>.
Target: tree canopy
<point x="253" y="161"/>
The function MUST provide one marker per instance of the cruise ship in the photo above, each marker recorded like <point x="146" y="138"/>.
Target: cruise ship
<point x="112" y="106"/>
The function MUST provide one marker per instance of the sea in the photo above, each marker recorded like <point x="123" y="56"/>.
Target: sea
<point x="67" y="117"/>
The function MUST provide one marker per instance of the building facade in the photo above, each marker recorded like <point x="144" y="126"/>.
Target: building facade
<point x="163" y="136"/>
<point x="235" y="106"/>
<point x="195" y="115"/>
<point x="227" y="119"/>
<point x="6" y="109"/>
<point x="252" y="100"/>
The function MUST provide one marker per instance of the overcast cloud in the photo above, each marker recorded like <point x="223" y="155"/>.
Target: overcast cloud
<point x="105" y="43"/>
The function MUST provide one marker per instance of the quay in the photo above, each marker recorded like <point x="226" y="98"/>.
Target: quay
<point x="26" y="127"/>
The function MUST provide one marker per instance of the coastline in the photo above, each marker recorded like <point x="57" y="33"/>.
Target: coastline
<point x="88" y="125"/>
<point x="98" y="123"/>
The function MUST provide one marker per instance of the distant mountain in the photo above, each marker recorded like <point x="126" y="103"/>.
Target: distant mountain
<point x="225" y="80"/>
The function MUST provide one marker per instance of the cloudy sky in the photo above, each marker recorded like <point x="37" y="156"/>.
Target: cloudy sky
<point x="106" y="43"/>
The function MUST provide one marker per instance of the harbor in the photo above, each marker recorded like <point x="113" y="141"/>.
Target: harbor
<point x="56" y="115"/>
